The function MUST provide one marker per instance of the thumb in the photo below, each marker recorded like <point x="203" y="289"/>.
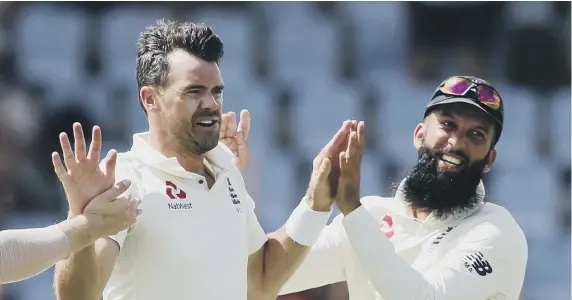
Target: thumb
<point x="114" y="192"/>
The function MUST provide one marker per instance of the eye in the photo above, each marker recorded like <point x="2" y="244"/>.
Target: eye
<point x="478" y="134"/>
<point x="449" y="125"/>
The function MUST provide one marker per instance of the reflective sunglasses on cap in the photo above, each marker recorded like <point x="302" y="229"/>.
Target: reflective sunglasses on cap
<point x="460" y="86"/>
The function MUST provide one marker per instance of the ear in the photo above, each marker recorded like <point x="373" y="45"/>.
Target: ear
<point x="492" y="158"/>
<point x="418" y="135"/>
<point x="148" y="98"/>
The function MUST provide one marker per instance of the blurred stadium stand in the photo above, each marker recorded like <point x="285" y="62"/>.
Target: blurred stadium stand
<point x="300" y="68"/>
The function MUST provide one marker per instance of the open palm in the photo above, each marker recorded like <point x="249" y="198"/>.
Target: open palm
<point x="82" y="177"/>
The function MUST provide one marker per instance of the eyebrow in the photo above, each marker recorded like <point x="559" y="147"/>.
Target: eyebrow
<point x="201" y="87"/>
<point x="450" y="115"/>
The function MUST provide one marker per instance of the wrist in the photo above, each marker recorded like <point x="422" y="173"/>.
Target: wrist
<point x="348" y="208"/>
<point x="305" y="224"/>
<point x="78" y="231"/>
<point x="317" y="207"/>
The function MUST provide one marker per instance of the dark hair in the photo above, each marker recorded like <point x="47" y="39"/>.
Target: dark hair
<point x="157" y="42"/>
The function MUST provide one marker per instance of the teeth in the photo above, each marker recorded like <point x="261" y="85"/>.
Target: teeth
<point x="450" y="159"/>
<point x="207" y="122"/>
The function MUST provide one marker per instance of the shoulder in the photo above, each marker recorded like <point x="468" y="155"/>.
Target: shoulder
<point x="497" y="217"/>
<point x="494" y="225"/>
<point x="128" y="164"/>
<point x="380" y="206"/>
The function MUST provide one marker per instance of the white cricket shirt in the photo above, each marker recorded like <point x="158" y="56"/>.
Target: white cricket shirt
<point x="383" y="252"/>
<point x="190" y="243"/>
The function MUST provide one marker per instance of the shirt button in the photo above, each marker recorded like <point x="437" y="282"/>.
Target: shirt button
<point x="201" y="181"/>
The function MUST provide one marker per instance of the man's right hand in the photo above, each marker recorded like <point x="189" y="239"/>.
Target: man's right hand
<point x="108" y="213"/>
<point x="324" y="180"/>
<point x="81" y="177"/>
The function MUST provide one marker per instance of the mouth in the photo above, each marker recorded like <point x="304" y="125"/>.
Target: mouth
<point x="452" y="160"/>
<point x="207" y="122"/>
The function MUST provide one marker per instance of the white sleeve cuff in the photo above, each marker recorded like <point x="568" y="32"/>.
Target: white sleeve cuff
<point x="304" y="225"/>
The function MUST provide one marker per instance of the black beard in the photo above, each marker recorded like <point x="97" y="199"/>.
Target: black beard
<point x="442" y="193"/>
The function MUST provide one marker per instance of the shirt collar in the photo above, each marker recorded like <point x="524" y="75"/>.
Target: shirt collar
<point x="432" y="222"/>
<point x="218" y="157"/>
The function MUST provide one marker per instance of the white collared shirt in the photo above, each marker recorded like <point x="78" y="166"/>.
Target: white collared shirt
<point x="384" y="253"/>
<point x="190" y="242"/>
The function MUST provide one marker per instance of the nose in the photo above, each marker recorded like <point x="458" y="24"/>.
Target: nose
<point x="456" y="142"/>
<point x="209" y="102"/>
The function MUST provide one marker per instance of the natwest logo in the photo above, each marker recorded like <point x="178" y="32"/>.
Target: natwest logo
<point x="174" y="192"/>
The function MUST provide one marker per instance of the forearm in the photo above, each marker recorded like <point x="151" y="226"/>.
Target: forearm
<point x="282" y="257"/>
<point x="324" y="264"/>
<point x="390" y="275"/>
<point x="74" y="277"/>
<point x="28" y="252"/>
<point x="286" y="248"/>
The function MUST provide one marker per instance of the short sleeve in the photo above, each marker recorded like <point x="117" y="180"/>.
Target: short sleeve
<point x="256" y="235"/>
<point x="125" y="169"/>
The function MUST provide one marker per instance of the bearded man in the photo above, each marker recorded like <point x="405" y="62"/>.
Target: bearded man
<point x="436" y="239"/>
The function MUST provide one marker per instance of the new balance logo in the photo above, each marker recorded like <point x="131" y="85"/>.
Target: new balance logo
<point x="231" y="192"/>
<point x="174" y="192"/>
<point x="478" y="263"/>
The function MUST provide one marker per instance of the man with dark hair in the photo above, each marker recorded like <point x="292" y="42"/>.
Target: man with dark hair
<point x="199" y="237"/>
<point x="436" y="239"/>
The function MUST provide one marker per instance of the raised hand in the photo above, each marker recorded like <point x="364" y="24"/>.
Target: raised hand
<point x="235" y="137"/>
<point x="322" y="188"/>
<point x="81" y="177"/>
<point x="108" y="214"/>
<point x="348" y="194"/>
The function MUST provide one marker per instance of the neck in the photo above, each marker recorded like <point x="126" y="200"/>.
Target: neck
<point x="419" y="214"/>
<point x="161" y="141"/>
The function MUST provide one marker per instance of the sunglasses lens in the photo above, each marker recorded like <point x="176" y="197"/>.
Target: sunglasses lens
<point x="488" y="97"/>
<point x="456" y="86"/>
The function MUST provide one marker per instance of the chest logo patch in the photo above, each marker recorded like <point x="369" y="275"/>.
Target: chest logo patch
<point x="174" y="192"/>
<point x="386" y="226"/>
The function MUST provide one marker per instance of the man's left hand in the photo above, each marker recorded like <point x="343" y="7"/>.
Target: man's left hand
<point x="236" y="137"/>
<point x="348" y="195"/>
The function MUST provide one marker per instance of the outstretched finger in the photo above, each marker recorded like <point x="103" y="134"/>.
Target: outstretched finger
<point x="231" y="126"/>
<point x="324" y="170"/>
<point x="69" y="157"/>
<point x="343" y="161"/>
<point x="244" y="124"/>
<point x="354" y="125"/>
<point x="223" y="126"/>
<point x="353" y="148"/>
<point x="95" y="145"/>
<point x="241" y="144"/>
<point x="339" y="138"/>
<point x="59" y="167"/>
<point x="361" y="137"/>
<point x="110" y="163"/>
<point x="79" y="142"/>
